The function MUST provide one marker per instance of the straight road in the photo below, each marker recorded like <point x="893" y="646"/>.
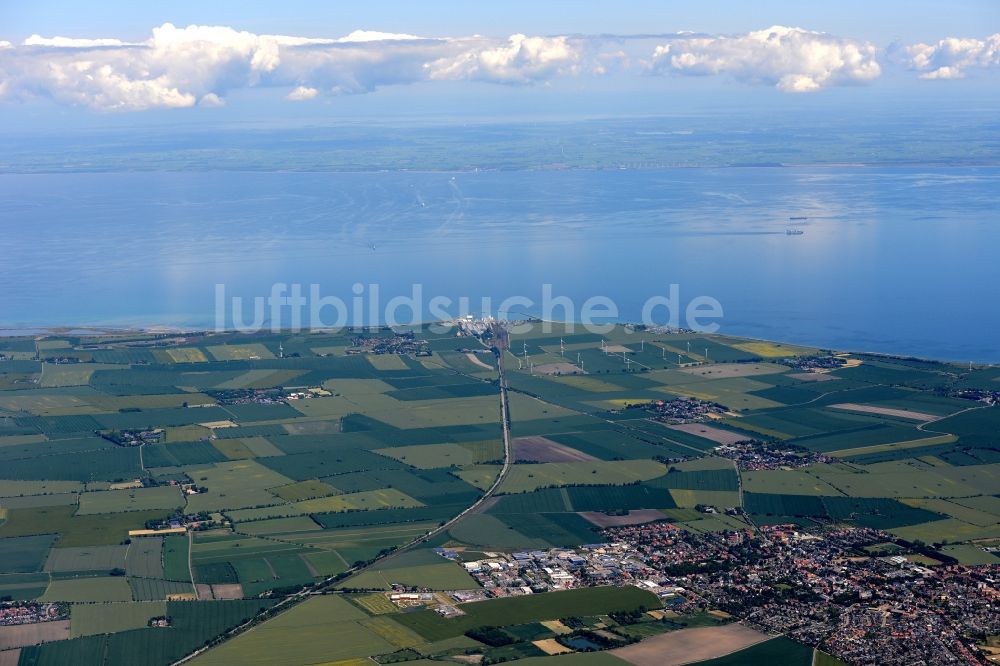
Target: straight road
<point x="500" y="340"/>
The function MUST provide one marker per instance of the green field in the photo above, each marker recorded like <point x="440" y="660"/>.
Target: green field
<point x="489" y="531"/>
<point x="215" y="548"/>
<point x="94" y="530"/>
<point x="11" y="488"/>
<point x="419" y="568"/>
<point x="278" y="526"/>
<point x="24" y="554"/>
<point x="106" y="588"/>
<point x="144" y="557"/>
<point x="428" y="456"/>
<point x="532" y="608"/>
<point x="823" y="659"/>
<point x="154" y="589"/>
<point x="321" y="630"/>
<point x="192" y="623"/>
<point x="789" y="482"/>
<point x="302" y="489"/>
<point x="351" y="544"/>
<point x="90" y="558"/>
<point x="779" y="650"/>
<point x="970" y="554"/>
<point x="175" y="558"/>
<point x="23" y="586"/>
<point x="137" y="499"/>
<point x="108" y="618"/>
<point x="525" y="478"/>
<point x="234" y="485"/>
<point x="361" y="501"/>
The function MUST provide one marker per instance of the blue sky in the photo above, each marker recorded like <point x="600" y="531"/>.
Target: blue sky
<point x="298" y="59"/>
<point x="912" y="20"/>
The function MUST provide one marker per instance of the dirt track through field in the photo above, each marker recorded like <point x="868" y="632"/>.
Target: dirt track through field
<point x="557" y="369"/>
<point x="885" y="411"/>
<point x="542" y="449"/>
<point x="634" y="517"/>
<point x="717" y="435"/>
<point x="812" y="377"/>
<point x="475" y="360"/>
<point x="728" y="370"/>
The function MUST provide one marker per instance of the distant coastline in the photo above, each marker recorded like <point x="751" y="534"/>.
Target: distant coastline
<point x="84" y="331"/>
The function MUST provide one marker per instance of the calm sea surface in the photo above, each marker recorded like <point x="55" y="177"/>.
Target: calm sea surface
<point x="900" y="260"/>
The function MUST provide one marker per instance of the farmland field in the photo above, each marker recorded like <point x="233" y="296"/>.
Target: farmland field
<point x="140" y="499"/>
<point x="525" y="478"/>
<point x="107" y="588"/>
<point x="304" y="490"/>
<point x="323" y="629"/>
<point x="24" y="554"/>
<point x="23" y="586"/>
<point x="91" y="558"/>
<point x="144" y="557"/>
<point x="419" y="568"/>
<point x="533" y="608"/>
<point x="280" y="471"/>
<point x="779" y="650"/>
<point x="692" y="645"/>
<point x="15" y="636"/>
<point x="93" y="530"/>
<point x="429" y="456"/>
<point x="108" y="618"/>
<point x="175" y="558"/>
<point x="153" y="589"/>
<point x="235" y="484"/>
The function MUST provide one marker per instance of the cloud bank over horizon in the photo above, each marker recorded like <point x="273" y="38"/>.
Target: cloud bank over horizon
<point x="791" y="59"/>
<point x="198" y="65"/>
<point x="951" y="58"/>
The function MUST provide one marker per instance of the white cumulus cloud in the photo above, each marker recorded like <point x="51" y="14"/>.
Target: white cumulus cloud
<point x="522" y="59"/>
<point x="791" y="59"/>
<point x="302" y="93"/>
<point x="198" y="65"/>
<point x="950" y="58"/>
<point x="70" y="42"/>
<point x="211" y="100"/>
<point x="375" y="36"/>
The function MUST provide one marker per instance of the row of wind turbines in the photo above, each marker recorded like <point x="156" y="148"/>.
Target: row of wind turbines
<point x="524" y="361"/>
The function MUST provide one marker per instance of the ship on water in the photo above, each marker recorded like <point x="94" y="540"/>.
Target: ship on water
<point x="794" y="232"/>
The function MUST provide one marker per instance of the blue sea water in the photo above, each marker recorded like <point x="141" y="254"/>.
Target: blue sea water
<point x="896" y="260"/>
